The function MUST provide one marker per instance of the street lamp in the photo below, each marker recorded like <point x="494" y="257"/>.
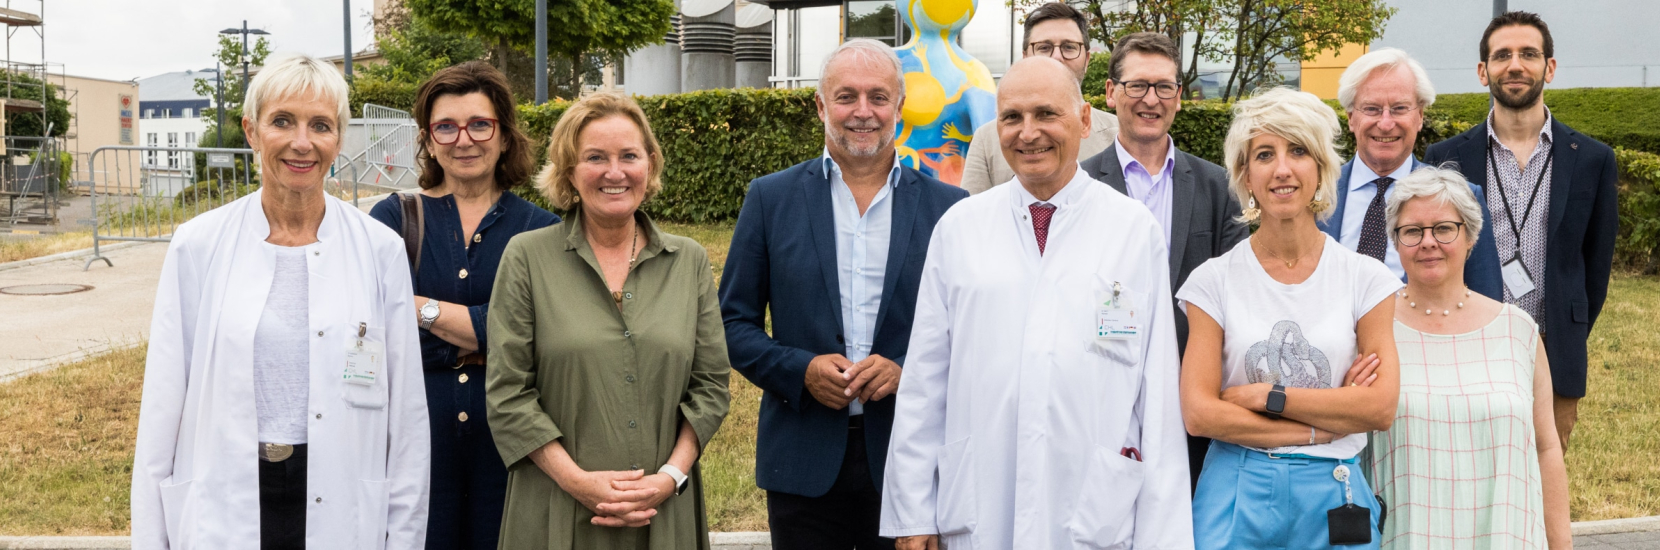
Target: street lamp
<point x="244" y="31"/>
<point x="219" y="107"/>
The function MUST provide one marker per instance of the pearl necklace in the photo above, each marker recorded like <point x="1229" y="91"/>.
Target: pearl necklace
<point x="1445" y="312"/>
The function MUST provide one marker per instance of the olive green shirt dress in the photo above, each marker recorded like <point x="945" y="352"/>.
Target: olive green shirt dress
<point x="611" y="385"/>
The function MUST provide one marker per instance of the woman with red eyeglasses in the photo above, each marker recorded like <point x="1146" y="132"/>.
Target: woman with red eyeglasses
<point x="455" y="230"/>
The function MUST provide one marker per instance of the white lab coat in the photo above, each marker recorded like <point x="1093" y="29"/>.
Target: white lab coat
<point x="195" y="471"/>
<point x="1011" y="414"/>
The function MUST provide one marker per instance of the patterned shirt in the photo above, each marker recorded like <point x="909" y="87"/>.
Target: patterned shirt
<point x="1515" y="186"/>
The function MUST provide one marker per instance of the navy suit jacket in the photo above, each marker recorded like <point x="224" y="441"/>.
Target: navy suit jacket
<point x="783" y="258"/>
<point x="1579" y="242"/>
<point x="1481" y="269"/>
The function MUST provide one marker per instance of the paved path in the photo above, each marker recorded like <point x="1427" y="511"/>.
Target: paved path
<point x="41" y="331"/>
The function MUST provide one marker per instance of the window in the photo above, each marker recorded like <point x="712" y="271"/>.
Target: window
<point x="150" y="156"/>
<point x="150" y="113"/>
<point x="187" y="114"/>
<point x="874" y="19"/>
<point x="172" y="141"/>
<point x="190" y="139"/>
<point x="167" y="113"/>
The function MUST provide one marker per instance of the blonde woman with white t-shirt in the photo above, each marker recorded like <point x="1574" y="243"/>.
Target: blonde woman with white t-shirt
<point x="1291" y="358"/>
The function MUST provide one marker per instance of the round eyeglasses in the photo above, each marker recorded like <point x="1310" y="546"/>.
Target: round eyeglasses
<point x="1411" y="235"/>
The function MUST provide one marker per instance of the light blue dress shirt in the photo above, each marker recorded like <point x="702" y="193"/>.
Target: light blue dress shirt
<point x="1153" y="191"/>
<point x="861" y="260"/>
<point x="1361" y="190"/>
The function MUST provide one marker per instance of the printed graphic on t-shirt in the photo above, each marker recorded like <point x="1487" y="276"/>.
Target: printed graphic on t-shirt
<point x="1287" y="359"/>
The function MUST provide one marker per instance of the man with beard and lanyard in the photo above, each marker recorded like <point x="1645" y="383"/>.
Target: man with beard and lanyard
<point x="1552" y="195"/>
<point x="833" y="247"/>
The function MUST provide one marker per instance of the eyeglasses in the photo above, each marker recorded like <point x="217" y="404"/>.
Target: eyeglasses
<point x="1529" y="55"/>
<point x="1069" y="50"/>
<point x="447" y="132"/>
<point x="1397" y="111"/>
<point x="1411" y="235"/>
<point x="1138" y="89"/>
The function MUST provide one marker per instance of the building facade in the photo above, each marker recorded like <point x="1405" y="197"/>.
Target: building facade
<point x="170" y="115"/>
<point x="104" y="113"/>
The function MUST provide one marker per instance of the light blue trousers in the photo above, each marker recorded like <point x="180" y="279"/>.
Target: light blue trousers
<point x="1247" y="499"/>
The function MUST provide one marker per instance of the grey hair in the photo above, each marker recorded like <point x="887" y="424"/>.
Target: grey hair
<point x="1443" y="185"/>
<point x="295" y="74"/>
<point x="1382" y="59"/>
<point x="868" y="49"/>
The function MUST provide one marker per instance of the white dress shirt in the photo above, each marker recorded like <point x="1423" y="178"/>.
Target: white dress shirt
<point x="1362" y="188"/>
<point x="861" y="261"/>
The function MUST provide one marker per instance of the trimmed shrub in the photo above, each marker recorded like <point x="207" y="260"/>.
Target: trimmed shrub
<point x="369" y="89"/>
<point x="1638" y="246"/>
<point x="1619" y="117"/>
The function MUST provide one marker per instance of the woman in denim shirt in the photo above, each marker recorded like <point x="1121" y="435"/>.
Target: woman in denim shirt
<point x="472" y="152"/>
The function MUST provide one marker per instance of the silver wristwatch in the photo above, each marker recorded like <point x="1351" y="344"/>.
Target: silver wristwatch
<point x="429" y="314"/>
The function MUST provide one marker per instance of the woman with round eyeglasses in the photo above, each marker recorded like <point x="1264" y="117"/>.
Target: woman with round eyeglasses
<point x="472" y="153"/>
<point x="1472" y="458"/>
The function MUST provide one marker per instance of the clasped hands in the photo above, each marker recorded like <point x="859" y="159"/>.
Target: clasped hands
<point x="835" y="381"/>
<point x="619" y="499"/>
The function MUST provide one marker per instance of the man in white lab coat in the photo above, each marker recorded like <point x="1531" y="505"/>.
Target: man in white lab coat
<point x="1039" y="404"/>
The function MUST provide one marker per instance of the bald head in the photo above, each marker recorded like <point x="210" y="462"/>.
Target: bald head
<point x="1041" y="118"/>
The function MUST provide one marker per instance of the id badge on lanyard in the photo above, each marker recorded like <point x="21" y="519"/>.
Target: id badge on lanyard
<point x="1115" y="317"/>
<point x="1515" y="273"/>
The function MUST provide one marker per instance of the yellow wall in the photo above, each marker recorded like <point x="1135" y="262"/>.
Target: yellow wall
<point x="1321" y="73"/>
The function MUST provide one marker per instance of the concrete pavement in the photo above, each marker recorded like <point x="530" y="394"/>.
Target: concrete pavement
<point x="42" y="331"/>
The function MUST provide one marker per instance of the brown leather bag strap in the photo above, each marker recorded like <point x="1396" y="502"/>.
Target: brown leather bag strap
<point x="414" y="228"/>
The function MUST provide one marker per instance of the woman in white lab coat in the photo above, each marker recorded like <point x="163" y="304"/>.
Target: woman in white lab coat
<point x="283" y="402"/>
<point x="1270" y="372"/>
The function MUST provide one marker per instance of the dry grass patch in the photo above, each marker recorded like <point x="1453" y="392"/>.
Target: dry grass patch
<point x="12" y="250"/>
<point x="1614" y="458"/>
<point x="67" y="452"/>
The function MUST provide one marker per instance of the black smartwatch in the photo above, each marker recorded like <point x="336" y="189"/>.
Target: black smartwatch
<point x="1276" y="402"/>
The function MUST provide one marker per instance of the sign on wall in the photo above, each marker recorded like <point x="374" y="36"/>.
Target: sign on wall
<point x="126" y="119"/>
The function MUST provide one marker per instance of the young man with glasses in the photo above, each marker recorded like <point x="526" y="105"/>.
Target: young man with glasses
<point x="1057" y="31"/>
<point x="1188" y="195"/>
<point x="1552" y="197"/>
<point x="1385" y="93"/>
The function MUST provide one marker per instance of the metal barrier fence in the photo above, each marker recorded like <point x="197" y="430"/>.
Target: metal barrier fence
<point x="31" y="180"/>
<point x="388" y="156"/>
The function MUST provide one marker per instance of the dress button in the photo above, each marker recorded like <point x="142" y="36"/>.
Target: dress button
<point x="627" y="334"/>
<point x="463" y="273"/>
<point x="630" y="466"/>
<point x="628" y="295"/>
<point x="463" y="378"/>
<point x="631" y="424"/>
<point x="319" y="416"/>
<point x="319" y="334"/>
<point x="319" y="500"/>
<point x="478" y="237"/>
<point x="316" y="253"/>
<point x="462" y="416"/>
<point x="630" y="379"/>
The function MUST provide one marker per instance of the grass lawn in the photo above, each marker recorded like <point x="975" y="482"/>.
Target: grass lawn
<point x="66" y="436"/>
<point x="17" y="248"/>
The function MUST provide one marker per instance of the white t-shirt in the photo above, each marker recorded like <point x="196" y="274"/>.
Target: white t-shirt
<point x="1298" y="336"/>
<point x="282" y="352"/>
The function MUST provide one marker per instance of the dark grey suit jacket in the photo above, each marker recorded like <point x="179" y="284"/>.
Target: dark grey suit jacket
<point x="1203" y="216"/>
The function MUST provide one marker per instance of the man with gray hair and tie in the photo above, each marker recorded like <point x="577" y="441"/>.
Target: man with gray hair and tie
<point x="1385" y="93"/>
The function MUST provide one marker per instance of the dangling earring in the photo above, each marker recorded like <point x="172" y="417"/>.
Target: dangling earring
<point x="1251" y="212"/>
<point x="1314" y="205"/>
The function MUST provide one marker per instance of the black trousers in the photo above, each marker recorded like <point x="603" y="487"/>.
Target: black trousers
<point x="282" y="502"/>
<point x="847" y="517"/>
<point x="1196" y="447"/>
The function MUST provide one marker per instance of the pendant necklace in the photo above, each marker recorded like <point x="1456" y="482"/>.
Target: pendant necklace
<point x="633" y="255"/>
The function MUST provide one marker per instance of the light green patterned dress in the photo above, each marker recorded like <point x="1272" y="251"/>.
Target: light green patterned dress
<point x="1459" y="468"/>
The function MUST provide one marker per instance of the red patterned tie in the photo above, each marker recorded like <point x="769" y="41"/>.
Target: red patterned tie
<point x="1041" y="213"/>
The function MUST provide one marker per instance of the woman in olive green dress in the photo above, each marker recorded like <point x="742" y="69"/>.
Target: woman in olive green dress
<point x="607" y="364"/>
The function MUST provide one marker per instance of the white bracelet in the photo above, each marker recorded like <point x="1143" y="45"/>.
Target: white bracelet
<point x="675" y="474"/>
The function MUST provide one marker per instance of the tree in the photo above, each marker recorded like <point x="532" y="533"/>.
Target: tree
<point x="1265" y="30"/>
<point x="17" y="85"/>
<point x="230" y="56"/>
<point x="579" y="31"/>
<point x="1251" y="33"/>
<point x="413" y="49"/>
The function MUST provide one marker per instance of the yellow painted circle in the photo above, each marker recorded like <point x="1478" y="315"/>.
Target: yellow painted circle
<point x="924" y="99"/>
<point x="946" y="12"/>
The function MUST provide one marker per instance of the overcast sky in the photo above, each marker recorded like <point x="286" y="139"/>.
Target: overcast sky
<point x="129" y="39"/>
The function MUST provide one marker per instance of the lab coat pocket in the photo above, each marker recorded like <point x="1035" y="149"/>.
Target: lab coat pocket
<point x="173" y="499"/>
<point x="371" y="515"/>
<point x="1105" y="514"/>
<point x="955" y="505"/>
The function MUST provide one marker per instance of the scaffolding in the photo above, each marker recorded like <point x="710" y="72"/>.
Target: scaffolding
<point x="31" y="175"/>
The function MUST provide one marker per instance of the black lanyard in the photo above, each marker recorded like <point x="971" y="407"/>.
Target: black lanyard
<point x="1498" y="181"/>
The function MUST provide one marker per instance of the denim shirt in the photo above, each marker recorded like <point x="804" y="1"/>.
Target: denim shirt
<point x="453" y="272"/>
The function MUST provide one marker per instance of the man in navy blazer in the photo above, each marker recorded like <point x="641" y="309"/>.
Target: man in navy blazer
<point x="833" y="248"/>
<point x="1385" y="93"/>
<point x="1559" y="253"/>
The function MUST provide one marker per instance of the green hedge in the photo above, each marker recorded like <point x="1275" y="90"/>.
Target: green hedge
<point x="714" y="143"/>
<point x="1619" y="117"/>
<point x="368" y="89"/>
<point x="1638" y="246"/>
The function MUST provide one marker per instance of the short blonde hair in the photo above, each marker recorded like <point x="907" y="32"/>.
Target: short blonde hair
<point x="555" y="180"/>
<point x="1443" y="185"/>
<point x="1298" y="117"/>
<point x="298" y="75"/>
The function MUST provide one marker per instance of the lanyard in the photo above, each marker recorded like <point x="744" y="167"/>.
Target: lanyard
<point x="1498" y="180"/>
